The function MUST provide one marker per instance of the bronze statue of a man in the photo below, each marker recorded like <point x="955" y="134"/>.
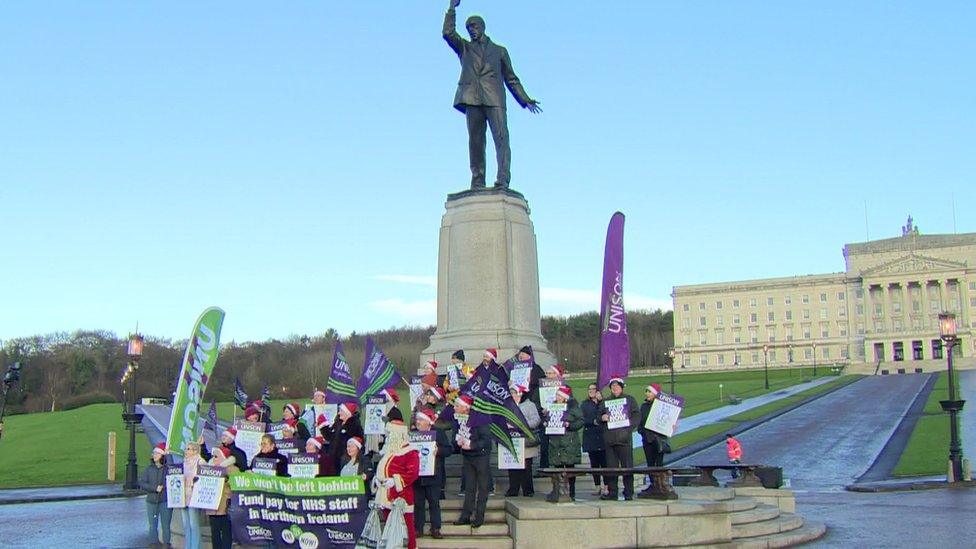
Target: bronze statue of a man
<point x="480" y="96"/>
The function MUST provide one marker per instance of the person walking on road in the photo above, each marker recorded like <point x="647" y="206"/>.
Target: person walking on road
<point x="734" y="450"/>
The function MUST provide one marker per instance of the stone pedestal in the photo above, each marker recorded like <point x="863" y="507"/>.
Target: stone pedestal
<point x="487" y="279"/>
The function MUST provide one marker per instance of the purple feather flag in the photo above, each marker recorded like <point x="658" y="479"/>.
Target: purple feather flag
<point x="340" y="388"/>
<point x="614" y="345"/>
<point x="378" y="373"/>
<point x="212" y="417"/>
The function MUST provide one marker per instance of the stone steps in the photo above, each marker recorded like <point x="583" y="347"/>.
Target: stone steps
<point x="463" y="542"/>
<point x="810" y="531"/>
<point x="784" y="522"/>
<point x="759" y="513"/>
<point x="486" y="529"/>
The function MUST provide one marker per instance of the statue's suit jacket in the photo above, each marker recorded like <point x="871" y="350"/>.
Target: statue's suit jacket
<point x="484" y="65"/>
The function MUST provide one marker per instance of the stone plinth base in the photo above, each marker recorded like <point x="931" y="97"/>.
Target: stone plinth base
<point x="487" y="279"/>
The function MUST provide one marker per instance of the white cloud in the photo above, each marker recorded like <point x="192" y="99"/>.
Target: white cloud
<point x="416" y="312"/>
<point x="409" y="279"/>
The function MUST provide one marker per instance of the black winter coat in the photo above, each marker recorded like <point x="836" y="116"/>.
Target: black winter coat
<point x="339" y="434"/>
<point x="592" y="427"/>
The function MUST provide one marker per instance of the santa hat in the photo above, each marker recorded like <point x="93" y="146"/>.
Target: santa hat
<point x="391" y="394"/>
<point x="355" y="441"/>
<point x="431" y="365"/>
<point x="321" y="421"/>
<point x="564" y="391"/>
<point x="225" y="456"/>
<point x="616" y="380"/>
<point x="317" y="441"/>
<point x="491" y="354"/>
<point x="294" y="407"/>
<point x="427" y="413"/>
<point x="230" y="432"/>
<point x="160" y="448"/>
<point x="654" y="388"/>
<point x="559" y="370"/>
<point x="349" y="407"/>
<point x="437" y="392"/>
<point x="466" y="399"/>
<point x="319" y="392"/>
<point x="252" y="410"/>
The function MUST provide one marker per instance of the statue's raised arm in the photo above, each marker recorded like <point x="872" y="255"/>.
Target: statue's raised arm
<point x="450" y="28"/>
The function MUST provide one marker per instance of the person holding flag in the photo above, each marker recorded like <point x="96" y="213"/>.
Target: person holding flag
<point x="474" y="440"/>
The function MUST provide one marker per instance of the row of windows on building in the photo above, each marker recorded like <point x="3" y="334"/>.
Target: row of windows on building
<point x="774" y="356"/>
<point x="805" y="332"/>
<point x="770" y="301"/>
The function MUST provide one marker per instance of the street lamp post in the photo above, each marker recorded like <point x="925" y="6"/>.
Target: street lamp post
<point x="789" y="365"/>
<point x="130" y="416"/>
<point x="671" y="356"/>
<point x="814" y="359"/>
<point x="766" y="364"/>
<point x="947" y="330"/>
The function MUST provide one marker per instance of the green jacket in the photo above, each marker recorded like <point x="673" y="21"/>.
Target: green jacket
<point x="565" y="449"/>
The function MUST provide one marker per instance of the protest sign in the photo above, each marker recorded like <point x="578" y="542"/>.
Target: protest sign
<point x="374" y="415"/>
<point x="426" y="444"/>
<point x="249" y="437"/>
<point x="454" y="376"/>
<point x="295" y="512"/>
<point x="509" y="460"/>
<point x="265" y="466"/>
<point x="290" y="446"/>
<point x="664" y="414"/>
<point x="302" y="465"/>
<point x="416" y="390"/>
<point x="463" y="434"/>
<point x="208" y="488"/>
<point x="555" y="419"/>
<point x="277" y="430"/>
<point x="619" y="411"/>
<point x="175" y="489"/>
<point x="547" y="391"/>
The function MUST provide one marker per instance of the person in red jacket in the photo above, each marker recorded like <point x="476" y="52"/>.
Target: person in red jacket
<point x="396" y="472"/>
<point x="734" y="449"/>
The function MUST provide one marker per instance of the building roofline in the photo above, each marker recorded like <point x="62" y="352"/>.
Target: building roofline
<point x="785" y="281"/>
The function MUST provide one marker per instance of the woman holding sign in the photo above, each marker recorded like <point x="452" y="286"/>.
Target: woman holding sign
<point x="652" y="442"/>
<point x="219" y="522"/>
<point x="190" y="516"/>
<point x="563" y="423"/>
<point x="522" y="478"/>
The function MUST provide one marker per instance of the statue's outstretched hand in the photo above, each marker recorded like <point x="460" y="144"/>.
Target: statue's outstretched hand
<point x="451" y="4"/>
<point x="534" y="107"/>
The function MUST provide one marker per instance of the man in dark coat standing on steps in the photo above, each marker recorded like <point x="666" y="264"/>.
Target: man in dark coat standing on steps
<point x="475" y="445"/>
<point x="485" y="66"/>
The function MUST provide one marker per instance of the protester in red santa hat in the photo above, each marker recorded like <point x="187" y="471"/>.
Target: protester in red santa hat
<point x="227" y="440"/>
<point x="396" y="473"/>
<point x="293" y="410"/>
<point x="253" y="413"/>
<point x="392" y="400"/>
<point x="430" y="377"/>
<point x="346" y="426"/>
<point x="653" y="443"/>
<point x="427" y="489"/>
<point x="314" y="446"/>
<point x="153" y="483"/>
<point x="220" y="533"/>
<point x="475" y="445"/>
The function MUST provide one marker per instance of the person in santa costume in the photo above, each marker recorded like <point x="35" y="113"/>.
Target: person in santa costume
<point x="395" y="474"/>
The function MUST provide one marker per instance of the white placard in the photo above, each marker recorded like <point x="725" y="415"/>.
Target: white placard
<point x="556" y="417"/>
<point x="175" y="489"/>
<point x="426" y="444"/>
<point x="416" y="390"/>
<point x="547" y="391"/>
<point x="249" y="437"/>
<point x="619" y="411"/>
<point x="463" y="434"/>
<point x="508" y="460"/>
<point x="374" y="416"/>
<point x="265" y="466"/>
<point x="312" y="413"/>
<point x="454" y="376"/>
<point x="521" y="376"/>
<point x="208" y="488"/>
<point x="303" y="465"/>
<point x="665" y="411"/>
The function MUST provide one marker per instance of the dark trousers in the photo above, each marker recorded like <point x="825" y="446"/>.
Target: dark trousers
<point x="620" y="455"/>
<point x="475" y="472"/>
<point x="543" y="451"/>
<point x="654" y="457"/>
<point x="598" y="458"/>
<point x="521" y="478"/>
<point x="220" y="531"/>
<point x="479" y="118"/>
<point x="426" y="498"/>
<point x="440" y="469"/>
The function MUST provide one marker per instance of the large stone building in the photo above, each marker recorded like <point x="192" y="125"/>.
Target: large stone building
<point x="883" y="308"/>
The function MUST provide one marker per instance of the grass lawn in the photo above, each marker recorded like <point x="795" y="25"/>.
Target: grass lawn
<point x="61" y="448"/>
<point x="927" y="452"/>
<point x="64" y="448"/>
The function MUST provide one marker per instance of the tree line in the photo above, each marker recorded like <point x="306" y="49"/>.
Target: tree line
<point x="67" y="370"/>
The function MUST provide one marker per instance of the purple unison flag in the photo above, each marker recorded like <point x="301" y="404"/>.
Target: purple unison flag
<point x="614" y="345"/>
<point x="212" y="416"/>
<point x="378" y="373"/>
<point x="240" y="396"/>
<point x="340" y="388"/>
<point x="494" y="401"/>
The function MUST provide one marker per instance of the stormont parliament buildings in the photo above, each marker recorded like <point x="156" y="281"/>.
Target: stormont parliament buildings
<point x="880" y="313"/>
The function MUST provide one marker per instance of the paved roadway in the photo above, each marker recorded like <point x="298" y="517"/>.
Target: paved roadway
<point x="108" y="523"/>
<point x="830" y="442"/>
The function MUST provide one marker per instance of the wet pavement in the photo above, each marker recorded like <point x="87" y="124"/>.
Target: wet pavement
<point x="967" y="418"/>
<point x="927" y="518"/>
<point x="109" y="523"/>
<point x="59" y="493"/>
<point x="830" y="442"/>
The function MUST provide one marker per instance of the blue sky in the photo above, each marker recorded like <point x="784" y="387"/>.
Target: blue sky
<point x="289" y="162"/>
